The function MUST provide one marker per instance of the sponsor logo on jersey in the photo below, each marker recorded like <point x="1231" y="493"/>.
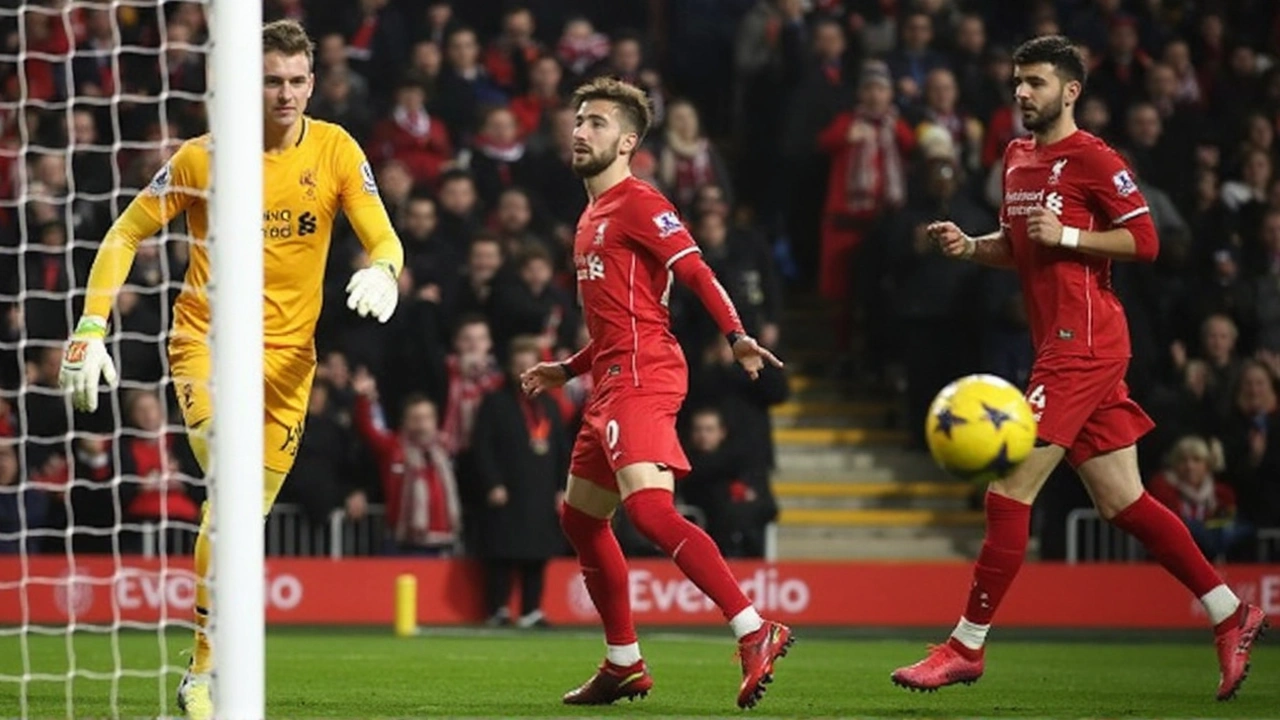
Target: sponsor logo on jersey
<point x="1125" y="186"/>
<point x="668" y="224"/>
<point x="277" y="224"/>
<point x="366" y="174"/>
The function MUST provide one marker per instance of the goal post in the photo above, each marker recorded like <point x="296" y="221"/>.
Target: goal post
<point x="236" y="114"/>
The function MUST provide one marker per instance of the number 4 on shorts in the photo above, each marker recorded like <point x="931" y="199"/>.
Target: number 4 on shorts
<point x="1035" y="398"/>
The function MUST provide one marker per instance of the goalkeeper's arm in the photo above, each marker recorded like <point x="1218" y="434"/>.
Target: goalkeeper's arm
<point x="86" y="360"/>
<point x="375" y="290"/>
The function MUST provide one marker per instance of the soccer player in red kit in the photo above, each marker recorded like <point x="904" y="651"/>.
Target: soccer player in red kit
<point x="1070" y="208"/>
<point x="629" y="247"/>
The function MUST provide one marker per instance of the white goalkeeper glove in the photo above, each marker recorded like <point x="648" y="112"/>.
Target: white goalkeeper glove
<point x="374" y="291"/>
<point x="85" y="363"/>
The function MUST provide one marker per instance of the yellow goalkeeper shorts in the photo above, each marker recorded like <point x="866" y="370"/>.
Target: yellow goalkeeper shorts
<point x="287" y="374"/>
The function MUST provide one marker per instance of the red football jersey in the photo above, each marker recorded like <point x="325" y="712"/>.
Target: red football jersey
<point x="626" y="242"/>
<point x="1071" y="307"/>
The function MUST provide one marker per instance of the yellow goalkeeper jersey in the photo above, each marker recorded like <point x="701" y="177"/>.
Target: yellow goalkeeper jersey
<point x="304" y="187"/>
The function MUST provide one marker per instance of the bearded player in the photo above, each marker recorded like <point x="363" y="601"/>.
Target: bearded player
<point x="1070" y="208"/>
<point x="628" y="248"/>
<point x="311" y="170"/>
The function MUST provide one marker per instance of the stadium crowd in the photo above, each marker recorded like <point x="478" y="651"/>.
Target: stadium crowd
<point x="806" y="143"/>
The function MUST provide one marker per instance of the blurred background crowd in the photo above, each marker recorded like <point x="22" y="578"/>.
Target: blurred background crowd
<point x="805" y="142"/>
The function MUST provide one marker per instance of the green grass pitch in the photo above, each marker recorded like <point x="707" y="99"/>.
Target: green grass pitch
<point x="317" y="673"/>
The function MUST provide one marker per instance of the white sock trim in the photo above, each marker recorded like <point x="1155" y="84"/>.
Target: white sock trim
<point x="970" y="634"/>
<point x="623" y="655"/>
<point x="1220" y="603"/>
<point x="746" y="622"/>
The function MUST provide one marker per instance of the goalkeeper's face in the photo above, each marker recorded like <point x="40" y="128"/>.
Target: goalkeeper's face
<point x="599" y="138"/>
<point x="287" y="83"/>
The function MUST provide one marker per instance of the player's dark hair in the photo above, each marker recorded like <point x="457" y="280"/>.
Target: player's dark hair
<point x="631" y="101"/>
<point x="1055" y="50"/>
<point x="288" y="38"/>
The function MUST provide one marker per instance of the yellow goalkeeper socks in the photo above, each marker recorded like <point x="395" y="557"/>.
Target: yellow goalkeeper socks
<point x="202" y="662"/>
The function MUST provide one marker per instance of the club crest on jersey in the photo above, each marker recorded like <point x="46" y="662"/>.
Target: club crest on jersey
<point x="1055" y="174"/>
<point x="668" y="224"/>
<point x="160" y="182"/>
<point x="1053" y="202"/>
<point x="589" y="267"/>
<point x="366" y="174"/>
<point x="1125" y="186"/>
<point x="599" y="240"/>
<point x="308" y="182"/>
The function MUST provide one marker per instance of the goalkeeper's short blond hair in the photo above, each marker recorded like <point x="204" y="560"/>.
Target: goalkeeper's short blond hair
<point x="288" y="38"/>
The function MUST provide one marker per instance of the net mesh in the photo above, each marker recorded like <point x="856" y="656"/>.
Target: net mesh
<point x="98" y="513"/>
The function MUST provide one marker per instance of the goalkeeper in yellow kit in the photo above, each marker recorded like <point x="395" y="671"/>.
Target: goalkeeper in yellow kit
<point x="311" y="169"/>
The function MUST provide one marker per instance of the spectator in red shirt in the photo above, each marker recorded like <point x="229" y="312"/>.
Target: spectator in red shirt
<point x="1187" y="487"/>
<point x="545" y="75"/>
<point x="508" y="57"/>
<point x="424" y="516"/>
<point x="150" y="458"/>
<point x="869" y="147"/>
<point x="412" y="136"/>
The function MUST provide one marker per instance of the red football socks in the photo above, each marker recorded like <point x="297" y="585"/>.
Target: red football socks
<point x="1008" y="529"/>
<point x="653" y="512"/>
<point x="1169" y="542"/>
<point x="604" y="571"/>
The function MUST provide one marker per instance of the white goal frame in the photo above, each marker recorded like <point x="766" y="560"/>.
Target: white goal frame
<point x="236" y="112"/>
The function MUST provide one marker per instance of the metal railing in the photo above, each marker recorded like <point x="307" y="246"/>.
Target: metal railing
<point x="1092" y="539"/>
<point x="290" y="533"/>
<point x="1268" y="544"/>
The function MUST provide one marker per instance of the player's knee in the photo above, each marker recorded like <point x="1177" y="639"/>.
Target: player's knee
<point x="1109" y="505"/>
<point x="652" y="512"/>
<point x="577" y="524"/>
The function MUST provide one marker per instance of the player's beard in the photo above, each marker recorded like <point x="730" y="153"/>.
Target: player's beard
<point x="596" y="164"/>
<point x="1045" y="118"/>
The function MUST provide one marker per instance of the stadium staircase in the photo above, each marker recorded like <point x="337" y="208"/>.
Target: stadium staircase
<point x="846" y="485"/>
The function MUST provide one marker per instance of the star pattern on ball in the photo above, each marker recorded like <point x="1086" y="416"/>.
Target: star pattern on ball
<point x="996" y="416"/>
<point x="948" y="420"/>
<point x="1001" y="463"/>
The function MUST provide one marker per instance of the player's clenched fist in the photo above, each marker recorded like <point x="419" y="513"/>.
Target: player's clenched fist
<point x="1043" y="227"/>
<point x="85" y="363"/>
<point x="951" y="240"/>
<point x="542" y="377"/>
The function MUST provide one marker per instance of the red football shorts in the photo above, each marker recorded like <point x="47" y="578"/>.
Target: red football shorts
<point x="1083" y="405"/>
<point x="621" y="429"/>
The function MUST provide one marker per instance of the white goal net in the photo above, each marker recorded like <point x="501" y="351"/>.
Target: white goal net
<point x="98" y="513"/>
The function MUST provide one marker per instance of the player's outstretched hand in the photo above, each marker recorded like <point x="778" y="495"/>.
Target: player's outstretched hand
<point x="752" y="356"/>
<point x="951" y="239"/>
<point x="374" y="291"/>
<point x="1043" y="227"/>
<point x="85" y="363"/>
<point x="542" y="377"/>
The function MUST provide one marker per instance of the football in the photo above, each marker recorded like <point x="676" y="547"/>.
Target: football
<point x="980" y="427"/>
